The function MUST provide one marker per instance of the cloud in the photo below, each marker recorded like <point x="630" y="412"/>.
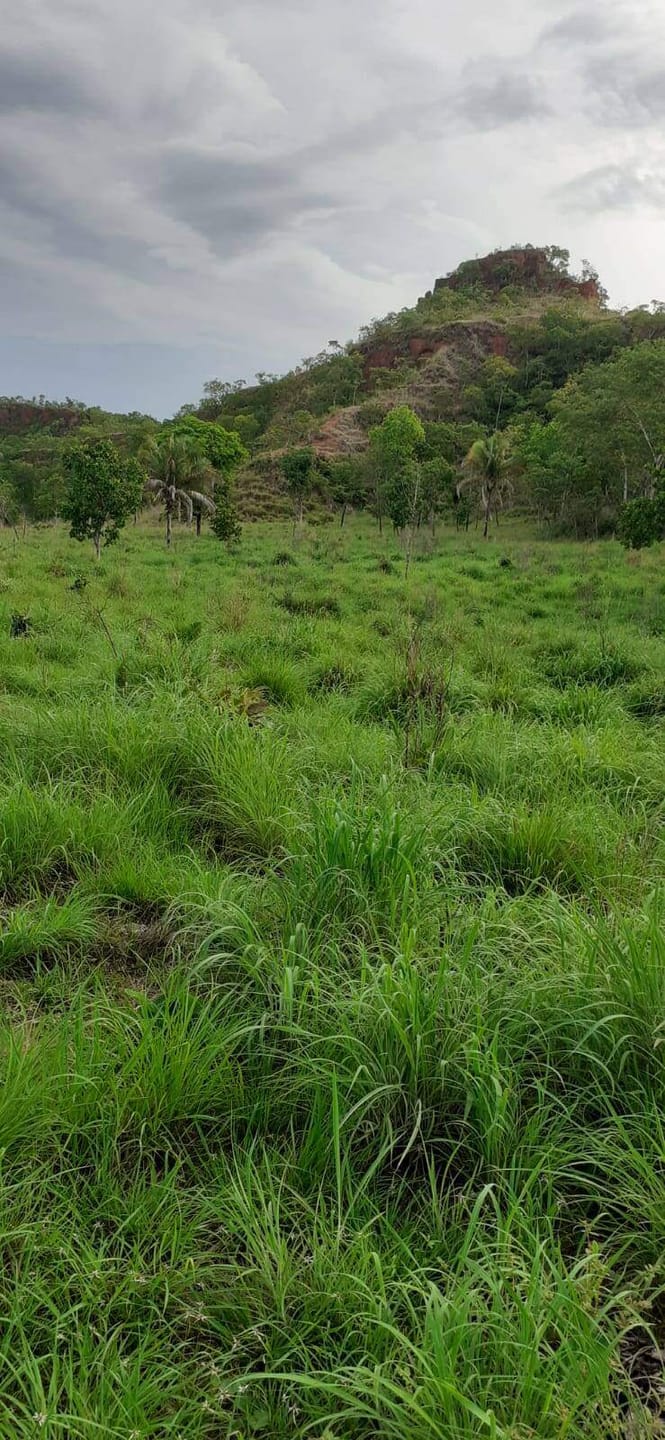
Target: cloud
<point x="626" y="90"/>
<point x="32" y="81"/>
<point x="242" y="181"/>
<point x="614" y="187"/>
<point x="507" y="99"/>
<point x="236" y="203"/>
<point x="579" y="28"/>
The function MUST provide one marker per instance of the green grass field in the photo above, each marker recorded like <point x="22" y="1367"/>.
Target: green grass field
<point x="333" y="975"/>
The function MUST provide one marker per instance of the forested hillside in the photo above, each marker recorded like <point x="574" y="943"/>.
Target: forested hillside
<point x="510" y="344"/>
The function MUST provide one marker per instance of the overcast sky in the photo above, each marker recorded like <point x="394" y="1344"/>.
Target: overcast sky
<point x="192" y="188"/>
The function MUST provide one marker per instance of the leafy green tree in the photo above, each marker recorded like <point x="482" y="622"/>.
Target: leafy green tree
<point x="247" y="426"/>
<point x="103" y="489"/>
<point x="403" y="495"/>
<point x="298" y="468"/>
<point x="548" y="470"/>
<point x="395" y="448"/>
<point x="175" y="466"/>
<point x="346" y="484"/>
<point x="436" y="492"/>
<point x="613" y="415"/>
<point x="223" y="449"/>
<point x="449" y="439"/>
<point x="560" y="343"/>
<point x="642" y="521"/>
<point x="495" y="396"/>
<point x="9" y="506"/>
<point x="224" y="452"/>
<point x="295" y="428"/>
<point x="216" y="394"/>
<point x="488" y="467"/>
<point x="604" y="443"/>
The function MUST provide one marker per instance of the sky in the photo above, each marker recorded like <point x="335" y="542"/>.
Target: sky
<point x="198" y="188"/>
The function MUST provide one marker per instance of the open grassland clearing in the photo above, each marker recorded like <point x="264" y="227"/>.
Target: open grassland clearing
<point x="333" y="982"/>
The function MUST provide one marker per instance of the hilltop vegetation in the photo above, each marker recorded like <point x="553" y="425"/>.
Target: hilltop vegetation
<point x="511" y="342"/>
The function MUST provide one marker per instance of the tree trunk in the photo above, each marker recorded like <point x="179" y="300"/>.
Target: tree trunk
<point x="486" y="526"/>
<point x="343" y="516"/>
<point x="98" y="546"/>
<point x="198" y="522"/>
<point x="168" y="527"/>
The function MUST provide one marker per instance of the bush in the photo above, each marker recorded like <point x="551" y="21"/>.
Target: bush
<point x="224" y="522"/>
<point x="640" y="523"/>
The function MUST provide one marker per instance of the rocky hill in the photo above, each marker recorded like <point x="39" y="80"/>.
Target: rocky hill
<point x="492" y="342"/>
<point x="539" y="270"/>
<point x="521" y="309"/>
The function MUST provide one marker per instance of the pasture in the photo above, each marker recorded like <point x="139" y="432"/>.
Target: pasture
<point x="333" y="987"/>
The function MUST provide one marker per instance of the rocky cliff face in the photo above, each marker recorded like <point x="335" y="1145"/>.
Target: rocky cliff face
<point x="538" y="273"/>
<point x="435" y="357"/>
<point x="440" y="359"/>
<point x="530" y="268"/>
<point x="487" y="335"/>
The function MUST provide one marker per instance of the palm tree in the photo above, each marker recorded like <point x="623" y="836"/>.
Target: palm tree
<point x="174" y="463"/>
<point x="488" y="464"/>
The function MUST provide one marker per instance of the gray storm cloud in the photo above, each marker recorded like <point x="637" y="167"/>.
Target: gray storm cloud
<point x="228" y="186"/>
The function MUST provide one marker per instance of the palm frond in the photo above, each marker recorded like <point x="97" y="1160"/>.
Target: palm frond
<point x="185" y="500"/>
<point x="202" y="502"/>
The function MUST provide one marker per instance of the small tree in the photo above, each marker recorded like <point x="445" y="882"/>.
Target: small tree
<point x="642" y="521"/>
<point x="436" y="488"/>
<point x="487" y="465"/>
<point x="298" y="468"/>
<point x="103" y="489"/>
<point x="395" y="447"/>
<point x="347" y="484"/>
<point x="225" y="523"/>
<point x="9" y="506"/>
<point x="462" y="512"/>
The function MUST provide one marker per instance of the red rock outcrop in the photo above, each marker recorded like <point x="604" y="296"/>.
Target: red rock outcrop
<point x="529" y="267"/>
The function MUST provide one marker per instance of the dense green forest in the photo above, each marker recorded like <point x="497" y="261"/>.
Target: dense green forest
<point x="512" y="351"/>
